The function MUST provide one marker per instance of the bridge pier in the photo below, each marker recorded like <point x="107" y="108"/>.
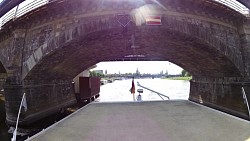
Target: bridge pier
<point x="43" y="99"/>
<point x="2" y="80"/>
<point x="224" y="94"/>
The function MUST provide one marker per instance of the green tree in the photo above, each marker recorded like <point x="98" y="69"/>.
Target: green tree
<point x="184" y="73"/>
<point x="95" y="74"/>
<point x="188" y="74"/>
<point x="92" y="73"/>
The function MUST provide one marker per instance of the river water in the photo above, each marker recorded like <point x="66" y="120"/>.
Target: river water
<point x="119" y="91"/>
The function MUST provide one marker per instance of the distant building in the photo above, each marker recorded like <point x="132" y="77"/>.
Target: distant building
<point x="161" y="73"/>
<point x="106" y="72"/>
<point x="166" y="72"/>
<point x="137" y="72"/>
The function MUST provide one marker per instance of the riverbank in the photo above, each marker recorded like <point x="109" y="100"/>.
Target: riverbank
<point x="180" y="78"/>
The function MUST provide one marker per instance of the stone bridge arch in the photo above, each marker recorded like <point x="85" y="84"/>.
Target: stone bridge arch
<point x="199" y="57"/>
<point x="3" y="75"/>
<point x="2" y="68"/>
<point x="201" y="37"/>
<point x="222" y="37"/>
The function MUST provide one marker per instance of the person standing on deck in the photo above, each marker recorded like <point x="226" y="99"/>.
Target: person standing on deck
<point x="132" y="90"/>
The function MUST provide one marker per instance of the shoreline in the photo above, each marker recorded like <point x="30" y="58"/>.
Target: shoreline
<point x="187" y="78"/>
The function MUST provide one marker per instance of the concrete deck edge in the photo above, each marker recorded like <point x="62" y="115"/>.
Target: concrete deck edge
<point x="53" y="125"/>
<point x="232" y="116"/>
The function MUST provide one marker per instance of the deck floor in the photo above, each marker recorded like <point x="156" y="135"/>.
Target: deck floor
<point x="147" y="121"/>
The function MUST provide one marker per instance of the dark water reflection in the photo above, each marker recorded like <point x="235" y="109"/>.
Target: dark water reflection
<point x="32" y="129"/>
<point x="4" y="136"/>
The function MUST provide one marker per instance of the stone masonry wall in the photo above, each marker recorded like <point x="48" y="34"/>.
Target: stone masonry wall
<point x="49" y="35"/>
<point x="33" y="47"/>
<point x="221" y="93"/>
<point x="244" y="31"/>
<point x="48" y="31"/>
<point x="42" y="100"/>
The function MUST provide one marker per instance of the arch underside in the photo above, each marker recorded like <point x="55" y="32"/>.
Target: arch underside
<point x="190" y="53"/>
<point x="2" y="69"/>
<point x="3" y="75"/>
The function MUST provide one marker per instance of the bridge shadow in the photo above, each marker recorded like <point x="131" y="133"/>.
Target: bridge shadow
<point x="4" y="135"/>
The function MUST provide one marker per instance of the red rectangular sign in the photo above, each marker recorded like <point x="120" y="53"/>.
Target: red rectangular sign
<point x="153" y="20"/>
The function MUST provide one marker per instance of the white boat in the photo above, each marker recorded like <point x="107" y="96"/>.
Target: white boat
<point x="103" y="81"/>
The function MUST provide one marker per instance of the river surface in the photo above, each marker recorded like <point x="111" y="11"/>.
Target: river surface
<point x="119" y="91"/>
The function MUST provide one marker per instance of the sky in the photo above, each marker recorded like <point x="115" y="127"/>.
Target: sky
<point x="153" y="67"/>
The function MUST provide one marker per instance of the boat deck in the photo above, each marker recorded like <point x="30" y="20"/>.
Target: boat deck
<point x="147" y="121"/>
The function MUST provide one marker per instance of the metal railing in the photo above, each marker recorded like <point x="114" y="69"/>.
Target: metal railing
<point x="160" y="95"/>
<point x="235" y="5"/>
<point x="22" y="9"/>
<point x="28" y="6"/>
<point x="245" y="98"/>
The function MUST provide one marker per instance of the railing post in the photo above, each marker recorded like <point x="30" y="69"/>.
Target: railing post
<point x="245" y="98"/>
<point x="16" y="12"/>
<point x="20" y="107"/>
